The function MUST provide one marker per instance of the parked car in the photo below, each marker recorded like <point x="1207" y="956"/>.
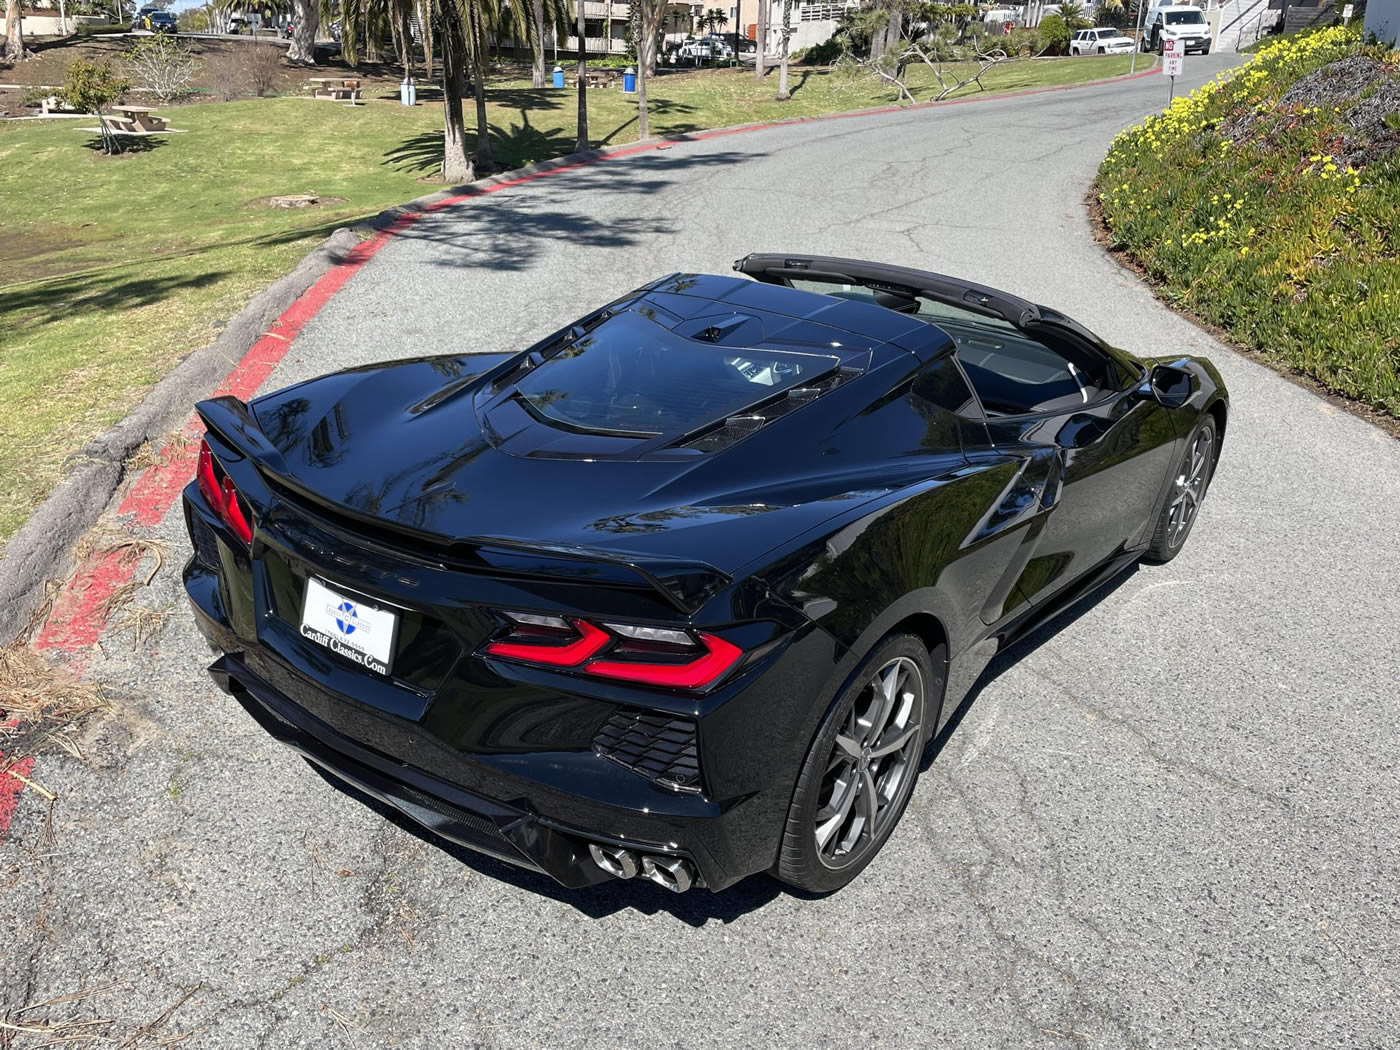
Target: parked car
<point x="692" y="51"/>
<point x="721" y="48"/>
<point x="1182" y="22"/>
<point x="138" y="20"/>
<point x="684" y="589"/>
<point x="238" y="25"/>
<point x="1104" y="40"/>
<point x="160" y="22"/>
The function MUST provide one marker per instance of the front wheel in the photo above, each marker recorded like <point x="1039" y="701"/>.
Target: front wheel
<point x="861" y="767"/>
<point x="1188" y="491"/>
<point x="1101" y="51"/>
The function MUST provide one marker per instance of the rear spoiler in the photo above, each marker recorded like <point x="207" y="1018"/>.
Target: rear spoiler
<point x="684" y="584"/>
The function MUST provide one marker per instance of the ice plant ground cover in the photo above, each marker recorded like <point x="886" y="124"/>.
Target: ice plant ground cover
<point x="1268" y="202"/>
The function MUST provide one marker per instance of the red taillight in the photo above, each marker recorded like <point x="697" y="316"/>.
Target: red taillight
<point x="719" y="657"/>
<point x="219" y="492"/>
<point x="643" y="655"/>
<point x="548" y="651"/>
<point x="233" y="512"/>
<point x="208" y="480"/>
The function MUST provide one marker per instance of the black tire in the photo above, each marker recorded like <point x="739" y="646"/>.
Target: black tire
<point x="849" y="844"/>
<point x="1188" y="491"/>
<point x="1100" y="50"/>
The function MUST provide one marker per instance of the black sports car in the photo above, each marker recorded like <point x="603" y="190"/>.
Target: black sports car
<point x="683" y="590"/>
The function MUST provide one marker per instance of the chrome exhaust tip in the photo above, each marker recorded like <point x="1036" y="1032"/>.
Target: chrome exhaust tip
<point x="618" y="862"/>
<point x="675" y="873"/>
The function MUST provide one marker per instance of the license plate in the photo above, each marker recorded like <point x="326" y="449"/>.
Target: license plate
<point x="349" y="626"/>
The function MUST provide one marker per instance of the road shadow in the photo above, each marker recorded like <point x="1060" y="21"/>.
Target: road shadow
<point x="513" y="233"/>
<point x="1018" y="651"/>
<point x="694" y="908"/>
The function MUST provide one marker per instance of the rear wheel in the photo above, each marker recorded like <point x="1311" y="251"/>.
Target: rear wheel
<point x="1187" y="493"/>
<point x="861" y="767"/>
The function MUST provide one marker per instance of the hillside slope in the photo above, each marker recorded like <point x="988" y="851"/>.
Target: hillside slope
<point x="1268" y="202"/>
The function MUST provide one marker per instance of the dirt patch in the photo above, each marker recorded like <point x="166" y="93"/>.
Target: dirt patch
<point x="51" y="59"/>
<point x="1339" y="85"/>
<point x="294" y="200"/>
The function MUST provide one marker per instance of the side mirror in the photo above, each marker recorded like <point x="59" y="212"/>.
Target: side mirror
<point x="1170" y="387"/>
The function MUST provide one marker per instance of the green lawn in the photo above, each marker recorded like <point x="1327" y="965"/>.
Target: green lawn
<point x="113" y="269"/>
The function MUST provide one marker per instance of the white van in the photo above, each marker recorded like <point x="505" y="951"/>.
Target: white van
<point x="1183" y="22"/>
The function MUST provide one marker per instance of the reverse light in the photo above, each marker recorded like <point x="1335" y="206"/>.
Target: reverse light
<point x="659" y="656"/>
<point x="220" y="493"/>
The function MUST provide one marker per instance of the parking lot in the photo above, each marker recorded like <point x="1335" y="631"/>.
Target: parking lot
<point x="1168" y="820"/>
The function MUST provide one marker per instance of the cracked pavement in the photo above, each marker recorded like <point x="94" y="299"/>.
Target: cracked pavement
<point x="1169" y="820"/>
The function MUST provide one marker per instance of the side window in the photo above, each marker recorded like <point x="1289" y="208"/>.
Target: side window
<point x="953" y="415"/>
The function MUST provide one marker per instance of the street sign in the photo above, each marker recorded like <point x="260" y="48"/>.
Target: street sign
<point x="1172" y="55"/>
<point x="1346" y="12"/>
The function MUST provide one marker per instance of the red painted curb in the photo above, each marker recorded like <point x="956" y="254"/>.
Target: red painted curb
<point x="79" y="613"/>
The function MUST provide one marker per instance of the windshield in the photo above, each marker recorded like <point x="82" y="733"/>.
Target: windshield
<point x="634" y="377"/>
<point x="1185" y="18"/>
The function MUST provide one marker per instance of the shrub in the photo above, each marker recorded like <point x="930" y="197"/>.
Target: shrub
<point x="263" y="65"/>
<point x="824" y="54"/>
<point x="1054" y="35"/>
<point x="243" y="70"/>
<point x="1266" y="201"/>
<point x="90" y="86"/>
<point x="163" y="64"/>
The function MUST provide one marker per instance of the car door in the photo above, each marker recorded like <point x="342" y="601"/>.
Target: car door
<point x="1099" y="472"/>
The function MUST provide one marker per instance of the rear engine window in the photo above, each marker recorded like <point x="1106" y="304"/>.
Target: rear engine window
<point x="631" y="376"/>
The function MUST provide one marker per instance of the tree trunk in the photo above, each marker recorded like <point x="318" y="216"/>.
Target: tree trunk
<point x="12" y="47"/>
<point x="643" y="117"/>
<point x="782" y="95"/>
<point x="582" y="144"/>
<point x="760" y="32"/>
<point x="425" y="26"/>
<point x="456" y="165"/>
<point x="483" y="126"/>
<point x="537" y="10"/>
<point x="306" y="17"/>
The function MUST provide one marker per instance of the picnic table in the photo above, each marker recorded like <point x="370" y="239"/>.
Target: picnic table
<point x="337" y="89"/>
<point x="136" y="120"/>
<point x="601" y="78"/>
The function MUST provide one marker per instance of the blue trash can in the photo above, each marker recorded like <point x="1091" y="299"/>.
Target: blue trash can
<point x="629" y="79"/>
<point x="558" y="77"/>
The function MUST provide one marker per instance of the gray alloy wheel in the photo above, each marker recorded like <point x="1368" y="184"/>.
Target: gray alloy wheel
<point x="861" y="768"/>
<point x="872" y="758"/>
<point x="1188" y="492"/>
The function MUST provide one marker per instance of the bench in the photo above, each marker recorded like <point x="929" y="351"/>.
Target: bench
<point x="336" y="89"/>
<point x="139" y="119"/>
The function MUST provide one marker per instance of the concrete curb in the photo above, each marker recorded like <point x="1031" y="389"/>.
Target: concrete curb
<point x="41" y="549"/>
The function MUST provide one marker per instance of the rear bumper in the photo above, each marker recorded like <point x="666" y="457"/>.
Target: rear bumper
<point x="511" y="833"/>
<point x="535" y="810"/>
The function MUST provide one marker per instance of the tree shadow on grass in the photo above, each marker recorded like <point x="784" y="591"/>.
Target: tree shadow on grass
<point x="45" y="302"/>
<point x="661" y="111"/>
<point x="129" y="144"/>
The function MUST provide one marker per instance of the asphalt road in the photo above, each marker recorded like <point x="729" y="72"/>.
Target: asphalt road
<point x="1172" y="822"/>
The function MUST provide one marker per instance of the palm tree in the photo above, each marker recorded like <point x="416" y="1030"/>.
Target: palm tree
<point x="555" y="15"/>
<point x="782" y="95"/>
<point x="581" y="146"/>
<point x="761" y="38"/>
<point x="12" y="46"/>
